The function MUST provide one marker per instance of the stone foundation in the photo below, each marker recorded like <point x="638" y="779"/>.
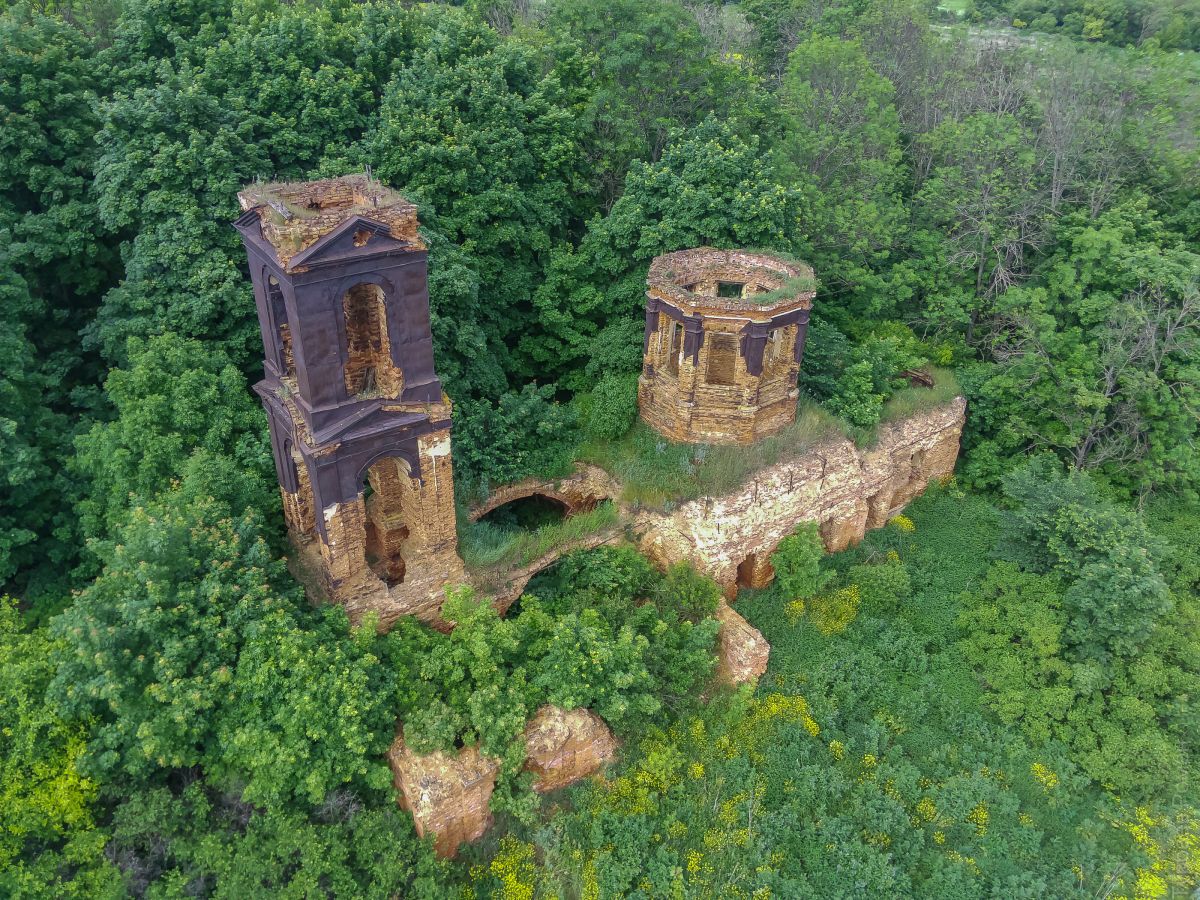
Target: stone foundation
<point x="564" y="746"/>
<point x="843" y="489"/>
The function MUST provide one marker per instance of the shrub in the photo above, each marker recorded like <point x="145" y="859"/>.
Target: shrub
<point x="833" y="612"/>
<point x="882" y="586"/>
<point x="612" y="409"/>
<point x="797" y="562"/>
<point x="684" y="589"/>
<point x="521" y="434"/>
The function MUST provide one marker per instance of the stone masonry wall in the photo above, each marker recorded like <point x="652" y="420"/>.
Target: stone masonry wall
<point x="447" y="794"/>
<point x="688" y="408"/>
<point x="429" y="548"/>
<point x="844" y="489"/>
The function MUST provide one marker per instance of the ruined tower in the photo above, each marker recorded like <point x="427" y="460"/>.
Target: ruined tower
<point x="360" y="427"/>
<point x="725" y="334"/>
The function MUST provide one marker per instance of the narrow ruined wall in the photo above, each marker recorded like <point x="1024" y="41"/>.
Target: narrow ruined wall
<point x="845" y="490"/>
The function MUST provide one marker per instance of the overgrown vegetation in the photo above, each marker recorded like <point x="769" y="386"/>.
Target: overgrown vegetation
<point x="483" y="545"/>
<point x="866" y="748"/>
<point x="657" y="473"/>
<point x="994" y="697"/>
<point x="584" y="636"/>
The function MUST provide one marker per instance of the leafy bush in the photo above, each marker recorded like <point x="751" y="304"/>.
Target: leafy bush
<point x="1079" y="639"/>
<point x="1061" y="526"/>
<point x="579" y="637"/>
<point x="45" y="795"/>
<point x="611" y="408"/>
<point x="192" y="648"/>
<point x="683" y="588"/>
<point x="797" y="563"/>
<point x="882" y="586"/>
<point x="854" y="379"/>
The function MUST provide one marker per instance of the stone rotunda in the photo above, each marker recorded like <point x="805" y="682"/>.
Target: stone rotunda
<point x="725" y="334"/>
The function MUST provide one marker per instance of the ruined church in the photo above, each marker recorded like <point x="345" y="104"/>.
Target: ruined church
<point x="360" y="430"/>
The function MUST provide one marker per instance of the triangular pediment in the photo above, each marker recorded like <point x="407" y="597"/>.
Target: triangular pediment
<point x="354" y="238"/>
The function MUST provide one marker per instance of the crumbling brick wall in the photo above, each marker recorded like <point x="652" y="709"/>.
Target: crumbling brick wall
<point x="447" y="794"/>
<point x="418" y="518"/>
<point x="843" y="489"/>
<point x="562" y="746"/>
<point x="369" y="370"/>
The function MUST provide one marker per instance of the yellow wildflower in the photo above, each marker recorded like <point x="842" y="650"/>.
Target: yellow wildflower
<point x="979" y="816"/>
<point x="1045" y="776"/>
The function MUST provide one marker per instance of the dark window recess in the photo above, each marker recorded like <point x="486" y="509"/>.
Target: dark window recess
<point x="730" y="290"/>
<point x="774" y="348"/>
<point x="674" y="348"/>
<point x="722" y="359"/>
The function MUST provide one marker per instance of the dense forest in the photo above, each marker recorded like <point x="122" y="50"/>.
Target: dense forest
<point x="995" y="695"/>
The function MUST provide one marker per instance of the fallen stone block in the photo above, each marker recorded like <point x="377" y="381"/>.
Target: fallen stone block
<point x="563" y="746"/>
<point x="447" y="794"/>
<point x="742" y="651"/>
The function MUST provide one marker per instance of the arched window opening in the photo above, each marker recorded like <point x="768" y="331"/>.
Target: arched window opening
<point x="369" y="368"/>
<point x="389" y="483"/>
<point x="283" y="345"/>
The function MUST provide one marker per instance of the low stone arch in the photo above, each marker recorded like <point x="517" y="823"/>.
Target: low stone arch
<point x="580" y="492"/>
<point x="503" y="498"/>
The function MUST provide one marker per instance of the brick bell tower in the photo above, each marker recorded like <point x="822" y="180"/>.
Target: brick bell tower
<point x="360" y="427"/>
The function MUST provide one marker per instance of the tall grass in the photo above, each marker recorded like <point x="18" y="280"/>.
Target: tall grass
<point x="915" y="398"/>
<point x="655" y="472"/>
<point x="483" y="545"/>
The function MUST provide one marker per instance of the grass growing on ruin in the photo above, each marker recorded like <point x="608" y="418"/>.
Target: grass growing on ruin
<point x="917" y="398"/>
<point x="483" y="545"/>
<point x="658" y="473"/>
<point x="655" y="472"/>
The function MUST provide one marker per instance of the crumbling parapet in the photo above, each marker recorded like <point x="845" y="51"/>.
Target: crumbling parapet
<point x="725" y="332"/>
